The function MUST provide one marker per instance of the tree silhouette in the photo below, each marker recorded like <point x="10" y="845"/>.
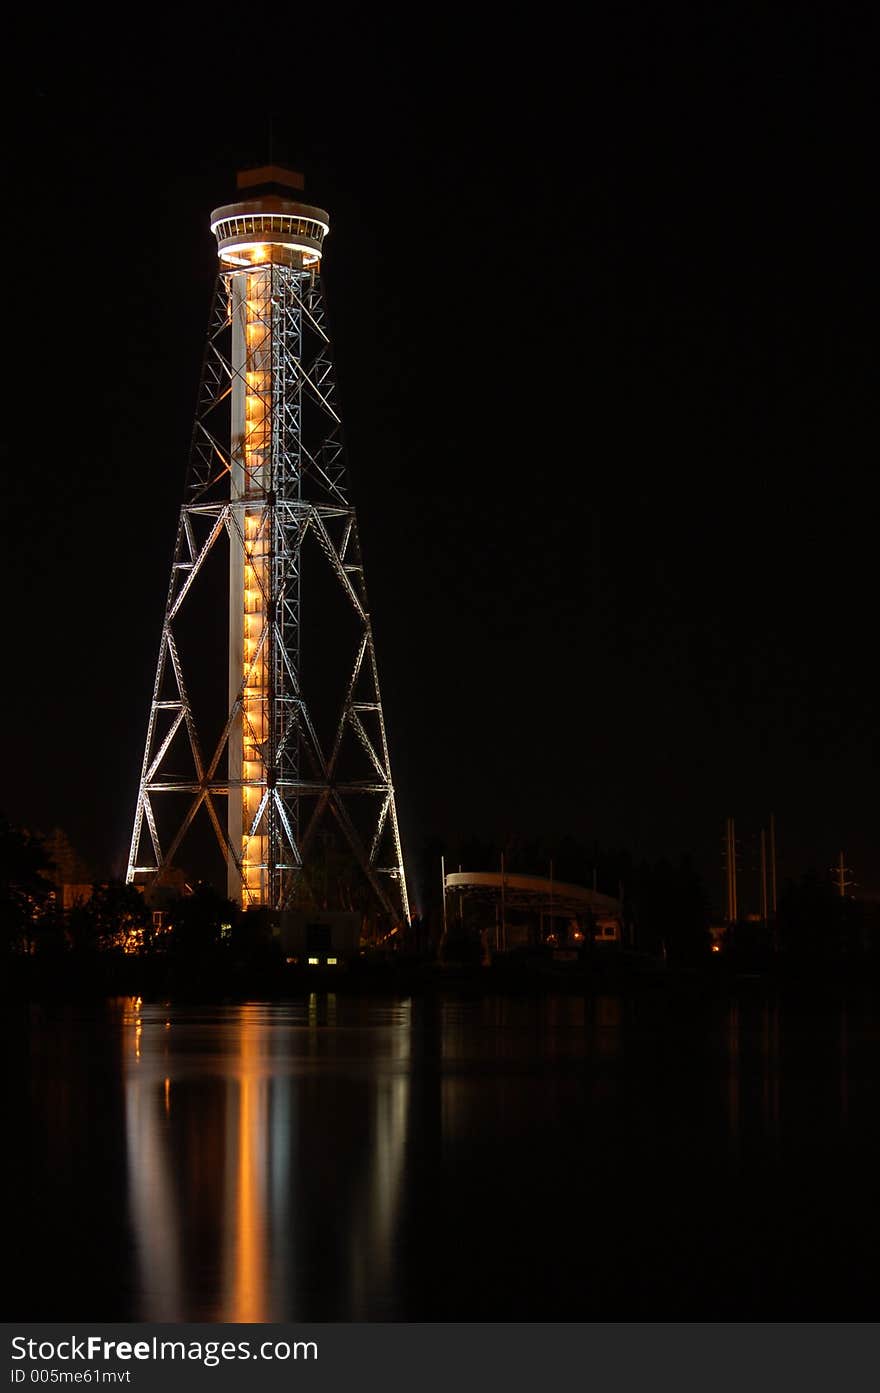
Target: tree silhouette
<point x="26" y="895"/>
<point x="115" y="917"/>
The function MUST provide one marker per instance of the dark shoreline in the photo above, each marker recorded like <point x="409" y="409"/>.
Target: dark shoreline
<point x="153" y="979"/>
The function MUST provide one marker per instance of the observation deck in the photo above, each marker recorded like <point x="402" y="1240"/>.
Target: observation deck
<point x="269" y="227"/>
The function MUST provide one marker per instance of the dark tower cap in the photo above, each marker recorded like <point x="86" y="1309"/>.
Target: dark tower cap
<point x="269" y="178"/>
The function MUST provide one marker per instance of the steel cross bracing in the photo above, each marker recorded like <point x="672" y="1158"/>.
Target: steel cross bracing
<point x="307" y="497"/>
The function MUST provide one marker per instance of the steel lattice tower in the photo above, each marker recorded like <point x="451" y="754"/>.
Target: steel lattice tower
<point x="267" y="480"/>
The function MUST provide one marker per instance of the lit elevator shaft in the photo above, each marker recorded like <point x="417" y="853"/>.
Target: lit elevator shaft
<point x="250" y="585"/>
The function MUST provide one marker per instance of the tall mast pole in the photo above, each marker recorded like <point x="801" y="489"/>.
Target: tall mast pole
<point x="841" y="871"/>
<point x="763" y="878"/>
<point x="730" y="863"/>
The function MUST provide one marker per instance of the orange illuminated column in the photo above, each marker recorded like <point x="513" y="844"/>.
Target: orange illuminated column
<point x="250" y="639"/>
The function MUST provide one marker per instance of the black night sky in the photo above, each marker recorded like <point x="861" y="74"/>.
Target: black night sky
<point x="603" y="300"/>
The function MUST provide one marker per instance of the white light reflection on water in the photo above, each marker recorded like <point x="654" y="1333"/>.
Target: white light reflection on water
<point x="151" y="1195"/>
<point x="373" y="1240"/>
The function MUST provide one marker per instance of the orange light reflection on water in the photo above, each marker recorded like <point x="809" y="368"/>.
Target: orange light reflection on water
<point x="249" y="1264"/>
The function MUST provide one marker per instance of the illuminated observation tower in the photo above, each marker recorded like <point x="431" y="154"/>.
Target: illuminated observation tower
<point x="274" y="761"/>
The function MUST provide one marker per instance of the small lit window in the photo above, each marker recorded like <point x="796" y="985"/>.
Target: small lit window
<point x="313" y="962"/>
<point x="331" y="962"/>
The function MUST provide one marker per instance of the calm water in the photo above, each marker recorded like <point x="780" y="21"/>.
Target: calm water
<point x="357" y="1159"/>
